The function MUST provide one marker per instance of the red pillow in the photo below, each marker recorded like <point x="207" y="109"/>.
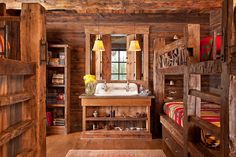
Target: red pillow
<point x="206" y="47"/>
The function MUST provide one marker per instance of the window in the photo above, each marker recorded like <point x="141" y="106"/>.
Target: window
<point x="118" y="64"/>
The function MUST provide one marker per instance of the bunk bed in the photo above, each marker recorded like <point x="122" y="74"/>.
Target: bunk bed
<point x="193" y="124"/>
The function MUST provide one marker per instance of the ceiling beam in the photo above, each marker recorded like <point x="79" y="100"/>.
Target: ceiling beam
<point x="123" y="6"/>
<point x="55" y="17"/>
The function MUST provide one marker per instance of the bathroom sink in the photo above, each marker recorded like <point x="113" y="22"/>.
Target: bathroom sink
<point x="116" y="89"/>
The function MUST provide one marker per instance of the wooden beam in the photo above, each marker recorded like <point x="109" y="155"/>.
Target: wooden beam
<point x="14" y="131"/>
<point x="26" y="153"/>
<point x="33" y="30"/>
<point x="69" y="17"/>
<point x="174" y="70"/>
<point x="128" y="6"/>
<point x="205" y="125"/>
<point x="14" y="98"/>
<point x="206" y="96"/>
<point x="14" y="67"/>
<point x="172" y="46"/>
<point x="3" y="9"/>
<point x="10" y="18"/>
<point x="200" y="150"/>
<point x="175" y="129"/>
<point x="206" y="68"/>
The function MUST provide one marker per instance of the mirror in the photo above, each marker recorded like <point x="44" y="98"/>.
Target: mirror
<point x="116" y="63"/>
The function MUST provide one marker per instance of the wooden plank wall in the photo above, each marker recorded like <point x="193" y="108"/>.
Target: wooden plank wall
<point x="68" y="27"/>
<point x="216" y="21"/>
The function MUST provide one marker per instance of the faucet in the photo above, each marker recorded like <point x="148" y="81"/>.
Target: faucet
<point x="127" y="88"/>
<point x="105" y="86"/>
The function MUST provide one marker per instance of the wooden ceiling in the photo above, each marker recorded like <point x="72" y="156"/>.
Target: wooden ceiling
<point x="124" y="6"/>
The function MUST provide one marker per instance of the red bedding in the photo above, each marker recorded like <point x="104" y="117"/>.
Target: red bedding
<point x="209" y="112"/>
<point x="206" y="46"/>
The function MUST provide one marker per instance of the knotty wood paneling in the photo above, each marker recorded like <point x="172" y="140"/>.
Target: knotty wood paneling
<point x="216" y="21"/>
<point x="69" y="29"/>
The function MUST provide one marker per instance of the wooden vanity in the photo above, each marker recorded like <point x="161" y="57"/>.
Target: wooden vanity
<point x="130" y="119"/>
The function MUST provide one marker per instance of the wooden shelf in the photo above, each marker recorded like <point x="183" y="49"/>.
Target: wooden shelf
<point x="56" y="66"/>
<point x="116" y="134"/>
<point x="55" y="105"/>
<point x="58" y="108"/>
<point x="115" y="119"/>
<point x="52" y="85"/>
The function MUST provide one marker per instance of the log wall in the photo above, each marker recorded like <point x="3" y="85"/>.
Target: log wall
<point x="69" y="28"/>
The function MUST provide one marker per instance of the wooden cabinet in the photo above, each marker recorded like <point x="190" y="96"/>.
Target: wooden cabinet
<point x="116" y="116"/>
<point x="58" y="89"/>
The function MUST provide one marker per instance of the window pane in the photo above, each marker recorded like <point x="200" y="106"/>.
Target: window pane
<point x="123" y="56"/>
<point x="122" y="77"/>
<point x="122" y="67"/>
<point x="114" y="56"/>
<point x="114" y="68"/>
<point x="114" y="77"/>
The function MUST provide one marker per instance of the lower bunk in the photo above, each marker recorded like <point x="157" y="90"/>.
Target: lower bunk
<point x="203" y="144"/>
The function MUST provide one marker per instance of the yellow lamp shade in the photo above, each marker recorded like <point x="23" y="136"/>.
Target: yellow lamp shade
<point x="98" y="45"/>
<point x="134" y="46"/>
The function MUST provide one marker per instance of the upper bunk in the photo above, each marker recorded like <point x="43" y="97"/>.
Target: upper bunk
<point x="198" y="56"/>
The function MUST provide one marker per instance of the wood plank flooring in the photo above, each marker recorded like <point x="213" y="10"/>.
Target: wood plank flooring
<point x="59" y="145"/>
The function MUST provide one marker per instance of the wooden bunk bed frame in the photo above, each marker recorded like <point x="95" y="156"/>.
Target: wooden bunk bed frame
<point x="22" y="85"/>
<point x="175" y="59"/>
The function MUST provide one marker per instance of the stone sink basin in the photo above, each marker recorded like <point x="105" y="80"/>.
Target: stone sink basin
<point x="116" y="89"/>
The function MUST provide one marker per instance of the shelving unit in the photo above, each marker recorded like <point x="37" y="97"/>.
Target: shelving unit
<point x="58" y="89"/>
<point x="131" y="119"/>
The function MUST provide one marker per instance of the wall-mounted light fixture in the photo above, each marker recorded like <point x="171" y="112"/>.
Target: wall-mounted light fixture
<point x="134" y="44"/>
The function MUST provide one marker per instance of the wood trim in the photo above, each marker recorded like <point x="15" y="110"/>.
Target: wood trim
<point x="87" y="54"/>
<point x="174" y="70"/>
<point x="14" y="98"/>
<point x="205" y="125"/>
<point x="205" y="96"/>
<point x="117" y="29"/>
<point x="175" y="129"/>
<point x="206" y="68"/>
<point x="115" y="102"/>
<point x="14" y="67"/>
<point x="14" y="131"/>
<point x="10" y="18"/>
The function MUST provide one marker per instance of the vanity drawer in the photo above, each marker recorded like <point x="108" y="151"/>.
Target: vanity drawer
<point x="176" y="149"/>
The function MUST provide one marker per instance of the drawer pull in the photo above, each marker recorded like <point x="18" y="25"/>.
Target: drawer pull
<point x="176" y="151"/>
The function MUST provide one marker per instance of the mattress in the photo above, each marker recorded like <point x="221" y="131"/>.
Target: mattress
<point x="209" y="112"/>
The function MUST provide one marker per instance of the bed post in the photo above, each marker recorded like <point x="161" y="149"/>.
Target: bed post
<point x="158" y="83"/>
<point x="33" y="30"/>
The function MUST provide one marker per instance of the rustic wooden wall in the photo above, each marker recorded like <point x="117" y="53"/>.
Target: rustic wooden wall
<point x="68" y="27"/>
<point x="216" y="21"/>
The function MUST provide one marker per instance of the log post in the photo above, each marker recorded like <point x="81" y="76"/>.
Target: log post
<point x="33" y="30"/>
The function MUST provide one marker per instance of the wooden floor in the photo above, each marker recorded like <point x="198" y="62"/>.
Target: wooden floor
<point x="59" y="145"/>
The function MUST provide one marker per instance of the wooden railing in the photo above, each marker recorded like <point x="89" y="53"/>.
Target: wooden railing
<point x="173" y="54"/>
